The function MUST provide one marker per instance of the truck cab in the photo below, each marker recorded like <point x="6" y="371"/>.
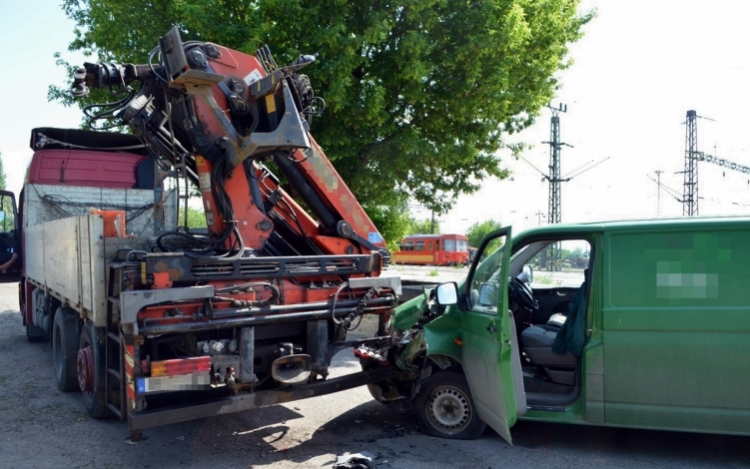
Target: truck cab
<point x="635" y="324"/>
<point x="10" y="240"/>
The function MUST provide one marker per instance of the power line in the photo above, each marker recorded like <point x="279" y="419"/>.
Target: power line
<point x="692" y="157"/>
<point x="658" y="192"/>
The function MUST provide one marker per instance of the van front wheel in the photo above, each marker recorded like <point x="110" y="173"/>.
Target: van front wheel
<point x="446" y="409"/>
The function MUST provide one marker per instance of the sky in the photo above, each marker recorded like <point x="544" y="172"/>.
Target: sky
<point x="639" y="68"/>
<point x="31" y="35"/>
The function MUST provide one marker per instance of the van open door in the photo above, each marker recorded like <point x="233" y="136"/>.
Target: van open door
<point x="10" y="241"/>
<point x="491" y="359"/>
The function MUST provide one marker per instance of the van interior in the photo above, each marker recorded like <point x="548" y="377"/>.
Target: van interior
<point x="549" y="286"/>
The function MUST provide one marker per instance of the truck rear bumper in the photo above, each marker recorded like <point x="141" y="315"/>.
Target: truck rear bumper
<point x="139" y="421"/>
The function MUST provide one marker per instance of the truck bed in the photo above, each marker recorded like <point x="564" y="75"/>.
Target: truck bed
<point x="69" y="257"/>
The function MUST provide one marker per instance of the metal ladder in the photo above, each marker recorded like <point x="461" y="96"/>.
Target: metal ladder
<point x="114" y="360"/>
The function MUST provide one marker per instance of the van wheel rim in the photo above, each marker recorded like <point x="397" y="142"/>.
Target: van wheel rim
<point x="449" y="409"/>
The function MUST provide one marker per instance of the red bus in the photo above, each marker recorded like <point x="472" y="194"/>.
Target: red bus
<point x="442" y="249"/>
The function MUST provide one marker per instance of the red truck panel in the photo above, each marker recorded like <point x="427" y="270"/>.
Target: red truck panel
<point x="84" y="168"/>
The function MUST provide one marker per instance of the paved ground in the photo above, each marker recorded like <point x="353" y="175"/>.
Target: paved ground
<point x="41" y="427"/>
<point x="430" y="274"/>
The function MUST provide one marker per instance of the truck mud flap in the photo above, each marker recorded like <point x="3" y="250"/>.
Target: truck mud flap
<point x="139" y="421"/>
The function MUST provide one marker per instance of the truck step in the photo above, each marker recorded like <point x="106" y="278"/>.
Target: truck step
<point x="115" y="373"/>
<point x="115" y="410"/>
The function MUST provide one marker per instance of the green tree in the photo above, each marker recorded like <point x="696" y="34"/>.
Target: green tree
<point x="7" y="224"/>
<point x="196" y="217"/>
<point x="2" y="173"/>
<point x="393" y="222"/>
<point x="425" y="226"/>
<point x="419" y="93"/>
<point x="478" y="231"/>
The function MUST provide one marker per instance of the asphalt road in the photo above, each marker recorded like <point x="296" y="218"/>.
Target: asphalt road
<point x="431" y="274"/>
<point x="41" y="427"/>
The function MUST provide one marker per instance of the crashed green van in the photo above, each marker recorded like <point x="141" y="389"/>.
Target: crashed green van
<point x="642" y="324"/>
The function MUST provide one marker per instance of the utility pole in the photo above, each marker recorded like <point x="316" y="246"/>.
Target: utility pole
<point x="432" y="223"/>
<point x="539" y="215"/>
<point x="555" y="195"/>
<point x="690" y="181"/>
<point x="658" y="192"/>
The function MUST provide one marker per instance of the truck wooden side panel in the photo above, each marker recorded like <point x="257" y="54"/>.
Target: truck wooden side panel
<point x="66" y="257"/>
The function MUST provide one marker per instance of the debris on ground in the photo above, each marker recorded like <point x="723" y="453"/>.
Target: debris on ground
<point x="363" y="460"/>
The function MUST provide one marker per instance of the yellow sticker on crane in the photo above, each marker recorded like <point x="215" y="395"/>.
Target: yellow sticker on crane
<point x="270" y="103"/>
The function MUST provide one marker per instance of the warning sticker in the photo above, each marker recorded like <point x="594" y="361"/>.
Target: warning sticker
<point x="374" y="237"/>
<point x="204" y="181"/>
<point x="252" y="77"/>
<point x="210" y="218"/>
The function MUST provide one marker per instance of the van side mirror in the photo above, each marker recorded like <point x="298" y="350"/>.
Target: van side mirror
<point x="447" y="294"/>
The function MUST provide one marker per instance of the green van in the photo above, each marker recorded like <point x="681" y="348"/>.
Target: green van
<point x="642" y="324"/>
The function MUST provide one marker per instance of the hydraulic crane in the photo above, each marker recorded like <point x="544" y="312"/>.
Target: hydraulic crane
<point x="259" y="303"/>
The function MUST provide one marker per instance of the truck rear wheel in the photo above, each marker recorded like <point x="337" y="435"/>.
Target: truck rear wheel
<point x="65" y="348"/>
<point x="446" y="408"/>
<point x="91" y="372"/>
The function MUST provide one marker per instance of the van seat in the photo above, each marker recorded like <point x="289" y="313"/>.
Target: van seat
<point x="557" y="320"/>
<point x="537" y="342"/>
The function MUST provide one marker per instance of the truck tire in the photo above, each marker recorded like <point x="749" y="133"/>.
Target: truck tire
<point x="65" y="348"/>
<point x="91" y="372"/>
<point x="446" y="409"/>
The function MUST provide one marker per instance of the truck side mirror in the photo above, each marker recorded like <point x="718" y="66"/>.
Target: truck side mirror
<point x="447" y="294"/>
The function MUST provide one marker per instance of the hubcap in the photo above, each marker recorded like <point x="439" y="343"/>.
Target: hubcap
<point x="449" y="409"/>
<point x="86" y="369"/>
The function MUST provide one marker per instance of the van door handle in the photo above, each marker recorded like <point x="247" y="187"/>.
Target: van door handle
<point x="492" y="328"/>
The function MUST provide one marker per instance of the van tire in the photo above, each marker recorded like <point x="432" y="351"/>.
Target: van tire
<point x="65" y="349"/>
<point x="446" y="409"/>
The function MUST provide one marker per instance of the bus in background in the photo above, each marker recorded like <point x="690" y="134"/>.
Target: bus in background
<point x="438" y="249"/>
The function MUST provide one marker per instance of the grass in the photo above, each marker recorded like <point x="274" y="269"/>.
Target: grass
<point x="546" y="280"/>
<point x="433" y="273"/>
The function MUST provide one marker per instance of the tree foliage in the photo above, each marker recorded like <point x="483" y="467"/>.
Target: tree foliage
<point x="196" y="218"/>
<point x="2" y="174"/>
<point x="426" y="226"/>
<point x="393" y="222"/>
<point x="7" y="219"/>
<point x="419" y="92"/>
<point x="478" y="231"/>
